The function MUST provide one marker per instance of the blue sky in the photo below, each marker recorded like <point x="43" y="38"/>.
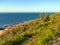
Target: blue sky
<point x="29" y="5"/>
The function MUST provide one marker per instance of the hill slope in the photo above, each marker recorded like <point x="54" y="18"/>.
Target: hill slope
<point x="42" y="31"/>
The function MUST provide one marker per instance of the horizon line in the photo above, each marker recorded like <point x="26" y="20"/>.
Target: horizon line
<point x="28" y="12"/>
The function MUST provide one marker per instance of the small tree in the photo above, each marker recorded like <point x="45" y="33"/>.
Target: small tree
<point x="46" y="18"/>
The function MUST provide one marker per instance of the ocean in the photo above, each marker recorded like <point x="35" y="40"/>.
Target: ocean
<point x="15" y="18"/>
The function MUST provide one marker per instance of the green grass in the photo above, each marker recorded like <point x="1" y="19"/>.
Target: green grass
<point x="34" y="32"/>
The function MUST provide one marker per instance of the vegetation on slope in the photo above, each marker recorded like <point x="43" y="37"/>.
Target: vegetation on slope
<point x="42" y="31"/>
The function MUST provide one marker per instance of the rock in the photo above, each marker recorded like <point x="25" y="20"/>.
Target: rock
<point x="55" y="42"/>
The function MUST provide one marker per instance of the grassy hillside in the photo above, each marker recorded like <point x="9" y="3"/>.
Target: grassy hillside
<point x="41" y="31"/>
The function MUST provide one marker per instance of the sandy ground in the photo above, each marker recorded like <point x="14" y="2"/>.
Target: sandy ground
<point x="1" y="31"/>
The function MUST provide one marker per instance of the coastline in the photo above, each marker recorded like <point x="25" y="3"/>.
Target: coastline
<point x="6" y="27"/>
